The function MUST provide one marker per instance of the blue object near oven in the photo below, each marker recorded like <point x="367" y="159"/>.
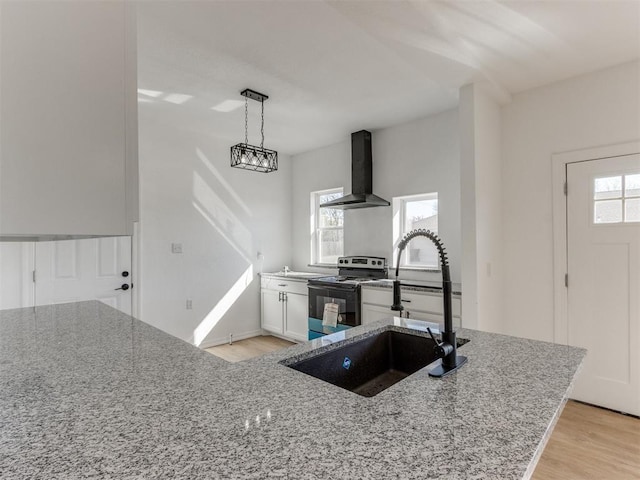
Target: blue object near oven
<point x="347" y="299"/>
<point x="317" y="330"/>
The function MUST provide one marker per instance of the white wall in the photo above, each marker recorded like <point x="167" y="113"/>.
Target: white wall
<point x="481" y="193"/>
<point x="417" y="157"/>
<point x="66" y="91"/>
<point x="223" y="217"/>
<point x="16" y="265"/>
<point x="598" y="109"/>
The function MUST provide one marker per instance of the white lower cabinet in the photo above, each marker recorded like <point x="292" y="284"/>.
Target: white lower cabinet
<point x="284" y="308"/>
<point x="428" y="306"/>
<point x="272" y="311"/>
<point x="296" y="316"/>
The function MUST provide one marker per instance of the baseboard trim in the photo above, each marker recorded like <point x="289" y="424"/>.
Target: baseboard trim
<point x="282" y="337"/>
<point x="214" y="342"/>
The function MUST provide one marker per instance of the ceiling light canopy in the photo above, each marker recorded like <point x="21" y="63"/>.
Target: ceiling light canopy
<point x="251" y="157"/>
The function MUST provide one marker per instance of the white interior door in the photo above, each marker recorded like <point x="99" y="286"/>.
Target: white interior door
<point x="603" y="254"/>
<point x="76" y="270"/>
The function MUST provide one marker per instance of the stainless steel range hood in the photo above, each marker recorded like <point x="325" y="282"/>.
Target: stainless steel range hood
<point x="361" y="195"/>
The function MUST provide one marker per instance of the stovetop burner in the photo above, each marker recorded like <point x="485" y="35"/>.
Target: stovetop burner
<point x="355" y="270"/>
<point x="343" y="279"/>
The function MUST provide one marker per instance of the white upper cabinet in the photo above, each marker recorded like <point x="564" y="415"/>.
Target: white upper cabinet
<point x="68" y="118"/>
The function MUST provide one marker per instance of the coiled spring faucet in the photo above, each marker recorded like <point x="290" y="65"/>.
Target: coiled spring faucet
<point x="447" y="349"/>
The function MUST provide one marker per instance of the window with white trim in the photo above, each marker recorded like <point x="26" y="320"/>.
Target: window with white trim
<point x="410" y="213"/>
<point x="327" y="225"/>
<point x="616" y="199"/>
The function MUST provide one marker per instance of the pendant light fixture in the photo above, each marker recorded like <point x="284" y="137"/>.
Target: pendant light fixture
<point x="247" y="156"/>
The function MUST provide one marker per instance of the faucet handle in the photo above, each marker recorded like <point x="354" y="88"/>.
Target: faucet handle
<point x="432" y="337"/>
<point x="442" y="348"/>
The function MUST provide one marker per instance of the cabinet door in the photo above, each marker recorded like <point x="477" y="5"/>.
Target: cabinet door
<point x="373" y="313"/>
<point x="297" y="316"/>
<point x="272" y="311"/>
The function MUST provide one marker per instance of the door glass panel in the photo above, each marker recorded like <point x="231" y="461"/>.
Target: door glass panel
<point x="632" y="185"/>
<point x="632" y="210"/>
<point x="607" y="187"/>
<point x="608" y="211"/>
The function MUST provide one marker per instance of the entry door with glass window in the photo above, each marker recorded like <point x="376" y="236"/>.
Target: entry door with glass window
<point x="603" y="252"/>
<point x="76" y="270"/>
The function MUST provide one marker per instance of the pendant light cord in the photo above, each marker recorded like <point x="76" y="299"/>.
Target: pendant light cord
<point x="262" y="125"/>
<point x="246" y="120"/>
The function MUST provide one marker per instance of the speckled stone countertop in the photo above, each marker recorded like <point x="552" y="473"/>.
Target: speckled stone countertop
<point x="86" y="391"/>
<point x="414" y="285"/>
<point x="408" y="285"/>
<point x="295" y="275"/>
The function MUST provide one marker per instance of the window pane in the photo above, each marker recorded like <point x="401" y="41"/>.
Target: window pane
<point x="421" y="214"/>
<point x="632" y="185"/>
<point x="330" y="217"/>
<point x="418" y="212"/>
<point x="632" y="210"/>
<point x="607" y="187"/>
<point x="327" y="197"/>
<point x="330" y="245"/>
<point x="422" y="252"/>
<point x="608" y="211"/>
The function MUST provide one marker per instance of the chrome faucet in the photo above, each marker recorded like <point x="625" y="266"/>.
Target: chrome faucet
<point x="447" y="349"/>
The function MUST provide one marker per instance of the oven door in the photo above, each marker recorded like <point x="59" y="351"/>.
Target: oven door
<point x="348" y="301"/>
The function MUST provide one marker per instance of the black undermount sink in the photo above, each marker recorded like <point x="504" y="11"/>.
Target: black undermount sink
<point x="373" y="364"/>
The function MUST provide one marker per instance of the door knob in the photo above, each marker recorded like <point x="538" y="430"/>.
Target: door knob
<point x="124" y="286"/>
<point x="125" y="274"/>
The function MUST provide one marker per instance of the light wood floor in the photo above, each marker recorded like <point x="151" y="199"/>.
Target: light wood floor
<point x="591" y="443"/>
<point x="588" y="443"/>
<point x="249" y="348"/>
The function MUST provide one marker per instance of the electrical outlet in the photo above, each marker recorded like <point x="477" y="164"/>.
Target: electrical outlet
<point x="176" y="248"/>
<point x="189" y="304"/>
<point x="260" y="256"/>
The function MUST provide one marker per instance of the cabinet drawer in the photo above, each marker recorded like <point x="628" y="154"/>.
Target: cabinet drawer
<point x="285" y="285"/>
<point x="377" y="297"/>
<point x="426" y="302"/>
<point x="429" y="302"/>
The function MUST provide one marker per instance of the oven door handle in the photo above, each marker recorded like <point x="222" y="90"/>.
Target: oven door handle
<point x="333" y="289"/>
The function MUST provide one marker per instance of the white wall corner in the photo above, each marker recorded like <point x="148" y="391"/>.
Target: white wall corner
<point x="468" y="207"/>
<point x="481" y="200"/>
<point x="494" y="90"/>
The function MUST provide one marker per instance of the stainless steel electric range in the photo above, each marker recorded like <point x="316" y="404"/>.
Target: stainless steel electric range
<point x="341" y="293"/>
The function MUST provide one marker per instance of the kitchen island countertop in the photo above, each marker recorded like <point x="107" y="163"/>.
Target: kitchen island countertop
<point x="86" y="391"/>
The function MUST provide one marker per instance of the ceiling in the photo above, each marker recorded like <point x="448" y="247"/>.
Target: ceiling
<point x="331" y="68"/>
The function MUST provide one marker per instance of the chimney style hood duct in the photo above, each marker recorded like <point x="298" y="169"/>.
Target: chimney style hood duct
<point x="361" y="177"/>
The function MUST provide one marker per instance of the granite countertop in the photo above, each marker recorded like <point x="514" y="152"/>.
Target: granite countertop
<point x="86" y="391"/>
<point x="294" y="275"/>
<point x="415" y="285"/>
<point x="408" y="285"/>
